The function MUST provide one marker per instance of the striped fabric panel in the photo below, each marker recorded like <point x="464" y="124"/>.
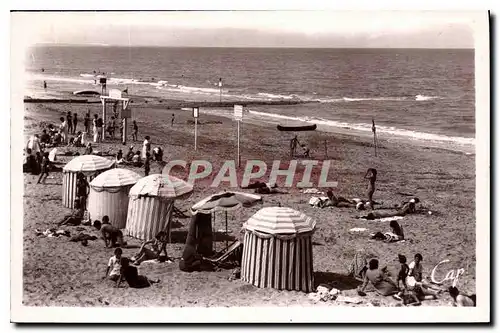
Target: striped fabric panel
<point x="280" y="220"/>
<point x="116" y="177"/>
<point x="113" y="204"/>
<point x="147" y="216"/>
<point x="69" y="189"/>
<point x="276" y="263"/>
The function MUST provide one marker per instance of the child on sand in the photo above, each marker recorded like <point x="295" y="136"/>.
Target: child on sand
<point x="111" y="235"/>
<point x="131" y="275"/>
<point x="44" y="168"/>
<point x="416" y="281"/>
<point x="114" y="266"/>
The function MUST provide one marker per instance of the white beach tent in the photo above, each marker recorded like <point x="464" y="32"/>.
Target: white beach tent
<point x="90" y="166"/>
<point x="277" y="250"/>
<point x="151" y="202"/>
<point x="109" y="195"/>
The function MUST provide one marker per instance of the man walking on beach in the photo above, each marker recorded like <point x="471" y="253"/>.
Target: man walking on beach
<point x="75" y="121"/>
<point x="173" y="119"/>
<point x="293" y="146"/>
<point x="70" y="122"/>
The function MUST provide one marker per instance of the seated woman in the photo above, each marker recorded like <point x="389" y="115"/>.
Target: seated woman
<point x="136" y="160"/>
<point x="131" y="275"/>
<point x="379" y="279"/>
<point x="192" y="261"/>
<point x="119" y="157"/>
<point x="395" y="235"/>
<point x="157" y="154"/>
<point x="158" y="249"/>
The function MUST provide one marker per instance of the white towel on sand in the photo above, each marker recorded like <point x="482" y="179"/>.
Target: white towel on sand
<point x="388" y="219"/>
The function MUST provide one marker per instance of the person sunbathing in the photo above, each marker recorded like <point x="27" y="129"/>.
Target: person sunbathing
<point x="335" y="201"/>
<point x="461" y="299"/>
<point x="395" y="235"/>
<point x="158" y="249"/>
<point x="405" y="209"/>
<point x="379" y="279"/>
<point x="75" y="218"/>
<point x="131" y="275"/>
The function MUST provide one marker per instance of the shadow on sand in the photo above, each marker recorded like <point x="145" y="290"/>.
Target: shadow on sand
<point x="336" y="280"/>
<point x="180" y="236"/>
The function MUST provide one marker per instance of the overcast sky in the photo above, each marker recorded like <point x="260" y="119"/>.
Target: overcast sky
<point x="250" y="29"/>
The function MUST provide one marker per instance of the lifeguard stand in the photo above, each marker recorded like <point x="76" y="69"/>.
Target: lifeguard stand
<point x="124" y="111"/>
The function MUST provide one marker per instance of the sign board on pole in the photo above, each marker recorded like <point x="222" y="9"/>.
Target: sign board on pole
<point x="127" y="113"/>
<point x="115" y="93"/>
<point x="238" y="112"/>
<point x="196" y="112"/>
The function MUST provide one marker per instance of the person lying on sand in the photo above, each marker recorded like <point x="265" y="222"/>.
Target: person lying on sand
<point x="335" y="201"/>
<point x="75" y="218"/>
<point x="158" y="249"/>
<point x="111" y="235"/>
<point x="379" y="279"/>
<point x="114" y="266"/>
<point x="461" y="299"/>
<point x="396" y="235"/>
<point x="405" y="209"/>
<point x="416" y="282"/>
<point x="131" y="275"/>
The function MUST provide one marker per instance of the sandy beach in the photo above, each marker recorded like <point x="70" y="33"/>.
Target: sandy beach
<point x="57" y="272"/>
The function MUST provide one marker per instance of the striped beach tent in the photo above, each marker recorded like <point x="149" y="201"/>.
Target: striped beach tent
<point x="90" y="166"/>
<point x="109" y="195"/>
<point x="151" y="202"/>
<point x="277" y="250"/>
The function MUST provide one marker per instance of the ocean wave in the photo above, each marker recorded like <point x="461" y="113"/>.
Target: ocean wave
<point x="277" y="96"/>
<point x="425" y="98"/>
<point x="368" y="128"/>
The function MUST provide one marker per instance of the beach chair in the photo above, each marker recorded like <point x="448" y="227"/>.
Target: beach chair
<point x="229" y="257"/>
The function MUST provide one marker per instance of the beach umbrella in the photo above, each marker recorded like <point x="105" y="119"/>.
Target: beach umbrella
<point x="165" y="186"/>
<point x="116" y="178"/>
<point x="225" y="201"/>
<point x="280" y="220"/>
<point x="88" y="163"/>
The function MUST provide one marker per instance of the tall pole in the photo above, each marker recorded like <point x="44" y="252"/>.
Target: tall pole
<point x="103" y="132"/>
<point x="124" y="137"/>
<point x="239" y="159"/>
<point x="195" y="133"/>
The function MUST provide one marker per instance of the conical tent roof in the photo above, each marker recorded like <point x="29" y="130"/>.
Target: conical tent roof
<point x="225" y="201"/>
<point x="115" y="178"/>
<point x="164" y="186"/>
<point x="88" y="163"/>
<point x="280" y="220"/>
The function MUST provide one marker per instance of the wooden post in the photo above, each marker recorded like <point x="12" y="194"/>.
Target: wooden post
<point x="124" y="136"/>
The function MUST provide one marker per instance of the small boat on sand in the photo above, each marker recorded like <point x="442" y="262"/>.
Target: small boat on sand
<point x="297" y="128"/>
<point x="86" y="93"/>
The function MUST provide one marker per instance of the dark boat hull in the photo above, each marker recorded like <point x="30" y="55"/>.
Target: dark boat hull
<point x="297" y="128"/>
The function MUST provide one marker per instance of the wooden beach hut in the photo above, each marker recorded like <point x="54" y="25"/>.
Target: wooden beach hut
<point x="109" y="195"/>
<point x="90" y="166"/>
<point x="151" y="203"/>
<point x="277" y="250"/>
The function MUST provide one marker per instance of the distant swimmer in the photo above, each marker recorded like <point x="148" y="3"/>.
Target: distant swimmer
<point x="43" y="70"/>
<point x="44" y="84"/>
